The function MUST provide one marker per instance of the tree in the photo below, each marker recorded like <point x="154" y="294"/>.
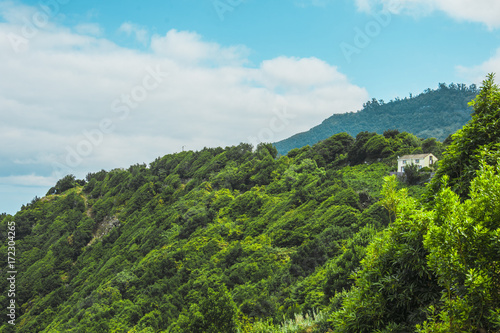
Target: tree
<point x="391" y="133"/>
<point x="413" y="176"/>
<point x="394" y="286"/>
<point x="357" y="153"/>
<point x="377" y="147"/>
<point x="463" y="244"/>
<point x="215" y="313"/>
<point x="332" y="148"/>
<point x="63" y="185"/>
<point x="431" y="145"/>
<point x="461" y="161"/>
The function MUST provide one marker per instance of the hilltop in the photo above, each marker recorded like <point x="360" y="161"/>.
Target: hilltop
<point x="432" y="114"/>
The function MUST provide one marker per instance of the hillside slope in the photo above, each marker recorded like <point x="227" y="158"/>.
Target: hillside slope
<point x="434" y="113"/>
<point x="203" y="241"/>
<point x="235" y="240"/>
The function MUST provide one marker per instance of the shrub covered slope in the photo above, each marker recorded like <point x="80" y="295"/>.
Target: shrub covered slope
<point x="238" y="240"/>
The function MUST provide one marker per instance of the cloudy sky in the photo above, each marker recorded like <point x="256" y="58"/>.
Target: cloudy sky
<point x="90" y="85"/>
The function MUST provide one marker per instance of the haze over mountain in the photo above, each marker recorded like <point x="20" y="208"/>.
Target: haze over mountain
<point x="433" y="113"/>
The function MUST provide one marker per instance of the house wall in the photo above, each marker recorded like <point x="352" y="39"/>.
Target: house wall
<point x="425" y="162"/>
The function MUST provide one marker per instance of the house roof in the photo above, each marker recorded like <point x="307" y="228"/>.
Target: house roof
<point x="415" y="157"/>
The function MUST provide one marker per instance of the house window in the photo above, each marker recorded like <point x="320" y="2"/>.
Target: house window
<point x="417" y="161"/>
<point x="404" y="161"/>
<point x="419" y="167"/>
<point x="430" y="160"/>
<point x="402" y="169"/>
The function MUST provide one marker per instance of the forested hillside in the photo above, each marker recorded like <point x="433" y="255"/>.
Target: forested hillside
<point x="436" y="267"/>
<point x="202" y="241"/>
<point x="238" y="239"/>
<point x="432" y="114"/>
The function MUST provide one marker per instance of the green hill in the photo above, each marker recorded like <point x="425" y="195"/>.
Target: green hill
<point x="223" y="236"/>
<point x="241" y="240"/>
<point x="432" y="114"/>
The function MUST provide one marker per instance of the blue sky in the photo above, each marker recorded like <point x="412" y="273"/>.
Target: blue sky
<point x="87" y="85"/>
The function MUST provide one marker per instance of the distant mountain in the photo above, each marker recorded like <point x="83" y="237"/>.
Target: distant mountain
<point x="434" y="113"/>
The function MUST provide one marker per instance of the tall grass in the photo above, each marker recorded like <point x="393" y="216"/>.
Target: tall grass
<point x="299" y="324"/>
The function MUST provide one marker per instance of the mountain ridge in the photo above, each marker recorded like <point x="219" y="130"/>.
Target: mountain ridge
<point x="433" y="113"/>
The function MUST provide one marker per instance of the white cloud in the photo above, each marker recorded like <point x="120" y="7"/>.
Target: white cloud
<point x="92" y="29"/>
<point x="295" y="73"/>
<point x="16" y="13"/>
<point x="186" y="46"/>
<point x="28" y="180"/>
<point x="484" y="11"/>
<point x="478" y="73"/>
<point x="481" y="11"/>
<point x="56" y="97"/>
<point x="140" y="33"/>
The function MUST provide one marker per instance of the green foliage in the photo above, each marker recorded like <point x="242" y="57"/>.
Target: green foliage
<point x="216" y="313"/>
<point x="358" y="154"/>
<point x="463" y="241"/>
<point x="63" y="185"/>
<point x="482" y="132"/>
<point x="435" y="268"/>
<point x="434" y="113"/>
<point x="218" y="240"/>
<point x="365" y="178"/>
<point x="377" y="147"/>
<point x="332" y="149"/>
<point x="395" y="286"/>
<point x="367" y="148"/>
<point x="241" y="240"/>
<point x="414" y="176"/>
<point x="431" y="145"/>
<point x="315" y="322"/>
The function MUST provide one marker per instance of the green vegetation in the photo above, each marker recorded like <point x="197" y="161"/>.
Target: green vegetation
<point x="432" y="114"/>
<point x="206" y="241"/>
<point x="241" y="240"/>
<point x="479" y="136"/>
<point x="436" y="267"/>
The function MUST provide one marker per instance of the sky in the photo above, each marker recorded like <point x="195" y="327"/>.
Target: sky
<point x="91" y="85"/>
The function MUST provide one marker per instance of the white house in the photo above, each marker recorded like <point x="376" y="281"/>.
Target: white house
<point x="420" y="160"/>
